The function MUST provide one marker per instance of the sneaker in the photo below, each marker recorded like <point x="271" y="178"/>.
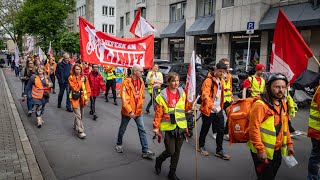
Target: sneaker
<point x="147" y="154"/>
<point x="29" y="113"/>
<point x="82" y="135"/>
<point x="148" y="112"/>
<point x="95" y="117"/>
<point x="295" y="133"/>
<point x="69" y="110"/>
<point x="106" y="100"/>
<point x="203" y="151"/>
<point x="91" y="113"/>
<point x="226" y="137"/>
<point x="115" y="103"/>
<point x="223" y="155"/>
<point x="59" y="105"/>
<point x="214" y="136"/>
<point x="119" y="149"/>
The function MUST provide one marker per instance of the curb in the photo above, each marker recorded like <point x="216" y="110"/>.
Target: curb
<point x="38" y="163"/>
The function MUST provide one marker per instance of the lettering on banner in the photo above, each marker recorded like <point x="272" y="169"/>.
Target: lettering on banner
<point x="123" y="55"/>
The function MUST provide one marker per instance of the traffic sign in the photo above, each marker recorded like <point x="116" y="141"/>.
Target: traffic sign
<point x="250" y="27"/>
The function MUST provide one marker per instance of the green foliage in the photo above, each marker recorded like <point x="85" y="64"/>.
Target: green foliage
<point x="2" y="44"/>
<point x="70" y="42"/>
<point x="45" y="20"/>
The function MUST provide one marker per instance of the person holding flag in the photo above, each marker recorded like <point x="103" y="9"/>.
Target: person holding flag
<point x="171" y="106"/>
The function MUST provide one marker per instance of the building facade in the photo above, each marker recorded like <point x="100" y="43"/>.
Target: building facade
<point x="101" y="14"/>
<point x="217" y="28"/>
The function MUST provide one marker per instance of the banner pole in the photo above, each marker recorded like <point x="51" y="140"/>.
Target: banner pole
<point x="317" y="61"/>
<point x="196" y="133"/>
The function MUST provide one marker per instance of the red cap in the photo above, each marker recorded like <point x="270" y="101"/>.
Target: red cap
<point x="260" y="67"/>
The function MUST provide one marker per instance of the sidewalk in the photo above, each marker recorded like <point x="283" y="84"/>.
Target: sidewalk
<point x="17" y="160"/>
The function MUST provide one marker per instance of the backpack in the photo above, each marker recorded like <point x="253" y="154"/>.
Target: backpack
<point x="198" y="88"/>
<point x="248" y="90"/>
<point x="238" y="122"/>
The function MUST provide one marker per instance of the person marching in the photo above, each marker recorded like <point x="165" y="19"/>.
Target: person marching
<point x="170" y="118"/>
<point x="51" y="72"/>
<point x="228" y="96"/>
<point x="62" y="73"/>
<point x="79" y="96"/>
<point x="269" y="136"/>
<point x="96" y="83"/>
<point x="314" y="134"/>
<point x="132" y="96"/>
<point x="154" y="80"/>
<point x="29" y="71"/>
<point x="212" y="103"/>
<point x="39" y="85"/>
<point x="111" y="82"/>
<point x="255" y="82"/>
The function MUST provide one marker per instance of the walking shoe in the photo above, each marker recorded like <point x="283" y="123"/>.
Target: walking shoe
<point x="147" y="154"/>
<point x="91" y="112"/>
<point x="214" y="136"/>
<point x="172" y="176"/>
<point x="203" y="151"/>
<point x="29" y="113"/>
<point x="53" y="92"/>
<point x="157" y="166"/>
<point x="69" y="110"/>
<point x="119" y="149"/>
<point x="115" y="103"/>
<point x="226" y="137"/>
<point x="295" y="133"/>
<point x="107" y="100"/>
<point x="82" y="135"/>
<point x="59" y="105"/>
<point x="223" y="155"/>
<point x="95" y="117"/>
<point x="148" y="112"/>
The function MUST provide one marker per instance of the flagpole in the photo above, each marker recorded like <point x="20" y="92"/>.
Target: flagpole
<point x="317" y="61"/>
<point x="196" y="134"/>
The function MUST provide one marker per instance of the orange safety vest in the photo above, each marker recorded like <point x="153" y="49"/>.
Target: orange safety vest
<point x="37" y="88"/>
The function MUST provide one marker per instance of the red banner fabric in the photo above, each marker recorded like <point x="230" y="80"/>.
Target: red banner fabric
<point x="99" y="48"/>
<point x="290" y="54"/>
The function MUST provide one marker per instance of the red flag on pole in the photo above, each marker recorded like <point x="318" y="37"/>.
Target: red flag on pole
<point x="140" y="26"/>
<point x="290" y="54"/>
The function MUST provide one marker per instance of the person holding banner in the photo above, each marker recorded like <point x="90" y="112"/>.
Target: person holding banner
<point x="111" y="82"/>
<point x="171" y="106"/>
<point x="154" y="80"/>
<point x="79" y="96"/>
<point x="96" y="83"/>
<point x="132" y="96"/>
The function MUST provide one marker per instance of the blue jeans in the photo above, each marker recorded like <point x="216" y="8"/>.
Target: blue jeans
<point x="314" y="160"/>
<point x="64" y="87"/>
<point x="142" y="133"/>
<point x="29" y="102"/>
<point x="16" y="70"/>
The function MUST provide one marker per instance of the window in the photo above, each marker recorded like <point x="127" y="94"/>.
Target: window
<point x="143" y="12"/>
<point x="105" y="28"/>
<point x="111" y="29"/>
<point x="84" y="10"/>
<point x="315" y="3"/>
<point x="177" y="11"/>
<point x="105" y="10"/>
<point x="206" y="7"/>
<point x="227" y="3"/>
<point x="127" y="18"/>
<point x="121" y="23"/>
<point x="111" y="11"/>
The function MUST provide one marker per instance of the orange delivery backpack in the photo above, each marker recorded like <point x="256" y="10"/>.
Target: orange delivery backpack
<point x="238" y="122"/>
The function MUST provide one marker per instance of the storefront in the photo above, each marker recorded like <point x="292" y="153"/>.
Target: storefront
<point x="176" y="46"/>
<point x="239" y="51"/>
<point x="206" y="48"/>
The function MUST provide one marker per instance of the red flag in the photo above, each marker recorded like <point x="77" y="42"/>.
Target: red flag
<point x="140" y="26"/>
<point x="290" y="54"/>
<point x="191" y="79"/>
<point x="99" y="48"/>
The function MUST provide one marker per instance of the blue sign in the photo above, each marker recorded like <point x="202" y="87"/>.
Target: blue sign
<point x="250" y="25"/>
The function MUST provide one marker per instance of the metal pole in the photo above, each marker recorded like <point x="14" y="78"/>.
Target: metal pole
<point x="248" y="53"/>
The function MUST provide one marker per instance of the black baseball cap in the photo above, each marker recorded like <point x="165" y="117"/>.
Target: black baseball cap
<point x="221" y="65"/>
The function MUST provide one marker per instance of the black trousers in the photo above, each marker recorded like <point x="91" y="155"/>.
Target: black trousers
<point x="93" y="104"/>
<point x="225" y="106"/>
<point x="53" y="80"/>
<point x="268" y="171"/>
<point x="217" y="121"/>
<point x="112" y="84"/>
<point x="173" y="144"/>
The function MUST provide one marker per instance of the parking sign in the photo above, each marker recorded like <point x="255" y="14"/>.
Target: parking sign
<point x="250" y="27"/>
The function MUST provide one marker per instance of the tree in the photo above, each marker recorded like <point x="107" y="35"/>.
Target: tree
<point x="46" y="20"/>
<point x="8" y="15"/>
<point x="70" y="42"/>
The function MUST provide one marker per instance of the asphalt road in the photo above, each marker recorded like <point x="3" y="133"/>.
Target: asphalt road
<point x="95" y="157"/>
